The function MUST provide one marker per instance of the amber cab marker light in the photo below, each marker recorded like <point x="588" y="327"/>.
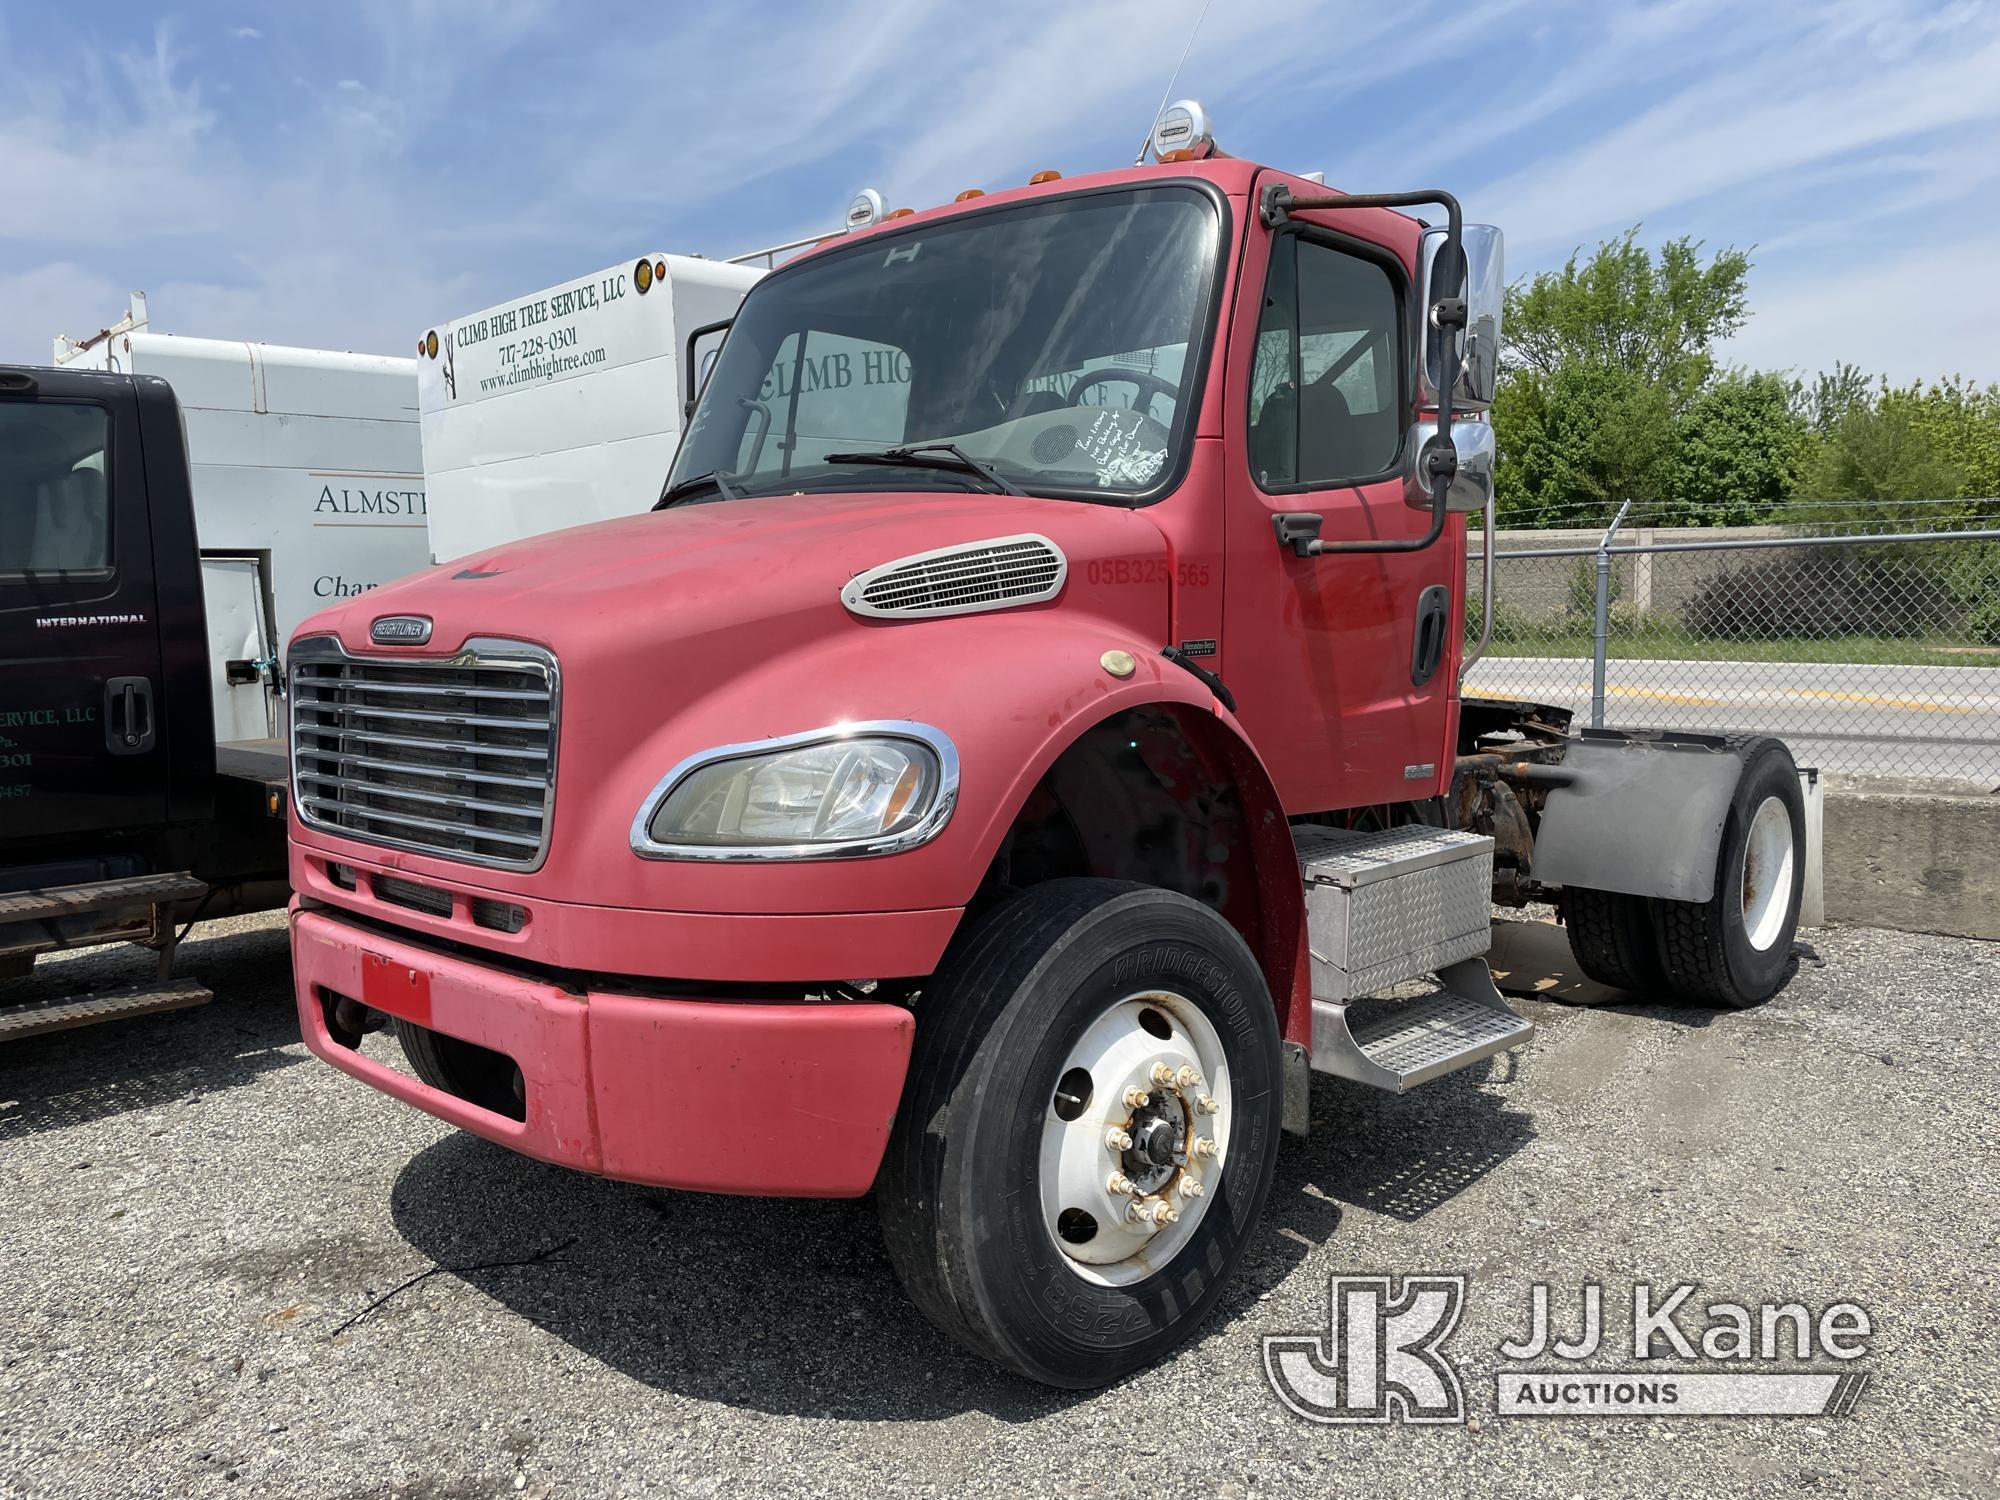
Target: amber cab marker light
<point x="659" y="270"/>
<point x="1050" y="175"/>
<point x="899" y="213"/>
<point x="969" y="193"/>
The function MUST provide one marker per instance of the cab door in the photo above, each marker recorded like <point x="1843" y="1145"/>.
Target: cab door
<point x="81" y="747"/>
<point x="1343" y="666"/>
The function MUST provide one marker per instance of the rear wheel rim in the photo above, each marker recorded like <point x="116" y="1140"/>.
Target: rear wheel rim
<point x="1769" y="854"/>
<point x="1125" y="1181"/>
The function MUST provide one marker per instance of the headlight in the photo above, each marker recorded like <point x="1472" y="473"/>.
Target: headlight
<point x="854" y="789"/>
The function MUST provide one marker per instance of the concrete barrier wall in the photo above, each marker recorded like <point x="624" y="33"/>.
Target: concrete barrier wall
<point x="1912" y="855"/>
<point x="1545" y="589"/>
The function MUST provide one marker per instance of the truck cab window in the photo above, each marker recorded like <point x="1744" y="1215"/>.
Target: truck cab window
<point x="1054" y="342"/>
<point x="846" y="392"/>
<point x="54" y="511"/>
<point x="1324" y="388"/>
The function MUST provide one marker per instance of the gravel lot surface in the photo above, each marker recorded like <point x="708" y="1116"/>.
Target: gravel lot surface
<point x="198" y="1217"/>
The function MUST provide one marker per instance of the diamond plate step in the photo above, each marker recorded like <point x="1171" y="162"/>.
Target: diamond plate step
<point x="1389" y="904"/>
<point x="97" y="895"/>
<point x="33" y="1019"/>
<point x="1413" y="1041"/>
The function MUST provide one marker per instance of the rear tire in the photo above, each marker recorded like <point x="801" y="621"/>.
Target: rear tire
<point x="1016" y="1098"/>
<point x="1612" y="936"/>
<point x="1735" y="949"/>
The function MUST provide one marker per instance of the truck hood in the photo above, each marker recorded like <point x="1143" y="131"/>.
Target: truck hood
<point x="766" y="570"/>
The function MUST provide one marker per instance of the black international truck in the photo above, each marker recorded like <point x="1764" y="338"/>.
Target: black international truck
<point x="121" y="817"/>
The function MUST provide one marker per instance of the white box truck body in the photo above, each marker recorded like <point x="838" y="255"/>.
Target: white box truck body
<point x="563" y="407"/>
<point x="307" y="470"/>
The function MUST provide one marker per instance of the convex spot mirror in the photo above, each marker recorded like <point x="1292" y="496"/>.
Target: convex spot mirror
<point x="1472" y="486"/>
<point x="1473" y="351"/>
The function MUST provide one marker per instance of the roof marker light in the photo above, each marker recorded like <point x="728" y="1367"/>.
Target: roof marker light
<point x="899" y="213"/>
<point x="969" y="193"/>
<point x="1183" y="132"/>
<point x="864" y="209"/>
<point x="642" y="276"/>
<point x="1049" y="175"/>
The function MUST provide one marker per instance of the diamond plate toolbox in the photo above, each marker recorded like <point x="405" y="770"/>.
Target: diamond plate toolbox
<point x="1384" y="906"/>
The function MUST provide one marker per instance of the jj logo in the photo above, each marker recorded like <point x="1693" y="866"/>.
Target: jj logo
<point x="1379" y="1360"/>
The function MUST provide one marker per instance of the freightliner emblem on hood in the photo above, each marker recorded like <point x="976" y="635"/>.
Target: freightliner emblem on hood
<point x="400" y="630"/>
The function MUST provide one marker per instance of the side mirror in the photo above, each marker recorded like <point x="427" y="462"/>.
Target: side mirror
<point x="704" y="346"/>
<point x="1471" y="486"/>
<point x="1474" y="352"/>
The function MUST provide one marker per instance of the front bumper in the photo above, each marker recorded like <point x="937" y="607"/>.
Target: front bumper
<point x="718" y="1096"/>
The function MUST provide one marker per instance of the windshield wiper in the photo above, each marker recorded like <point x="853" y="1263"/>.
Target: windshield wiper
<point x="948" y="457"/>
<point x="714" y="479"/>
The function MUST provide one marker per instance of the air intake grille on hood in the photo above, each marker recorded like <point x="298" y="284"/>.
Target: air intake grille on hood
<point x="961" y="580"/>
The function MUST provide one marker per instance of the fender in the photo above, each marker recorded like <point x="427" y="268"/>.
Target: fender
<point x="1638" y="811"/>
<point x="1013" y="692"/>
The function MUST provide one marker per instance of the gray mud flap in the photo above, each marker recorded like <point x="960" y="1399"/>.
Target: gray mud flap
<point x="1639" y="812"/>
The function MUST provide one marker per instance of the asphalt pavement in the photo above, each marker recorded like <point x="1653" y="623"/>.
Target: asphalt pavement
<point x="1860" y="720"/>
<point x="230" y="1270"/>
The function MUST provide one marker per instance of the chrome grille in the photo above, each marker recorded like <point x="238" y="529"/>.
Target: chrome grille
<point x="997" y="574"/>
<point x="453" y="756"/>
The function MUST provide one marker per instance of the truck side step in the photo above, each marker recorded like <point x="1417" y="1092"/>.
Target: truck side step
<point x="1403" y="1043"/>
<point x="34" y="1018"/>
<point x="1384" y="907"/>
<point x="98" y="895"/>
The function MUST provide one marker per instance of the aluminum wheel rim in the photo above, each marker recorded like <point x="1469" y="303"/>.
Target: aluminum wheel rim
<point x="1100" y="1166"/>
<point x="1767" y="873"/>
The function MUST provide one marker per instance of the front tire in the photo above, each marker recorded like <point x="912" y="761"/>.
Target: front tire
<point x="1000" y="1195"/>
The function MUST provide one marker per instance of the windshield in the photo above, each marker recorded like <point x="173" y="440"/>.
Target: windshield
<point x="1051" y="342"/>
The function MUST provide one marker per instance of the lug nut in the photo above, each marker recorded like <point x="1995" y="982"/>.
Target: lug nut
<point x="1205" y="1147"/>
<point x="1139" y="1213"/>
<point x="1163" y="1074"/>
<point x="1190" y="1188"/>
<point x="1137" y="1098"/>
<point x="1120" y="1185"/>
<point x="1187" y="1077"/>
<point x="1206" y="1104"/>
<point x="1117" y="1140"/>
<point x="1164" y="1214"/>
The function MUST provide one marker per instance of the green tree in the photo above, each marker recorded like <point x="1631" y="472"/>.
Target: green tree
<point x="1577" y="442"/>
<point x="1659" y="319"/>
<point x="1738" y="451"/>
<point x="1603" y="359"/>
<point x="1885" y="450"/>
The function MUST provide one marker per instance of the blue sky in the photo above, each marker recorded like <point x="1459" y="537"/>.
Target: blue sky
<point x="346" y="175"/>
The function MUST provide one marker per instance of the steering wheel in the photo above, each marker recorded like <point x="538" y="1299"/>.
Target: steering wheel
<point x="1149" y="384"/>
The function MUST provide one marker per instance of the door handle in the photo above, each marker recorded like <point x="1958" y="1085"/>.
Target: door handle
<point x="1427" y="649"/>
<point x="128" y="715"/>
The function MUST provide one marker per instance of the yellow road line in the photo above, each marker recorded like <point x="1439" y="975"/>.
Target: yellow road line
<point x="1917" y="704"/>
<point x="1874" y="700"/>
<point x="1690" y="700"/>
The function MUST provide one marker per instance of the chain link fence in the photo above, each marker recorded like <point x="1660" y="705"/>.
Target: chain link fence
<point x="1871" y="653"/>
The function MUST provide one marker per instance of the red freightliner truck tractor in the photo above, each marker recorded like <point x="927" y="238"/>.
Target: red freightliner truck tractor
<point x="1023" y="738"/>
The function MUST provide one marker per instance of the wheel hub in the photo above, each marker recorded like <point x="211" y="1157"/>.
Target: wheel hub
<point x="1134" y="1137"/>
<point x="1159" y="1143"/>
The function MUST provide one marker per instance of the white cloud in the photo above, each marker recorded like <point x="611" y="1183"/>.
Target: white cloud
<point x="448" y="153"/>
<point x="1922" y="314"/>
